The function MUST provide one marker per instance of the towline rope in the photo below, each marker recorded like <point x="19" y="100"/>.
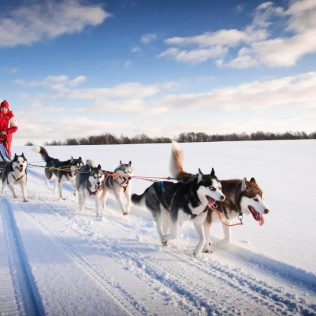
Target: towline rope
<point x="240" y="217"/>
<point x="109" y="173"/>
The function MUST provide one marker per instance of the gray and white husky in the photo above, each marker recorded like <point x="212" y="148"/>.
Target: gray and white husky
<point x="64" y="171"/>
<point x="173" y="203"/>
<point x="242" y="197"/>
<point x="15" y="173"/>
<point x="89" y="183"/>
<point x="120" y="186"/>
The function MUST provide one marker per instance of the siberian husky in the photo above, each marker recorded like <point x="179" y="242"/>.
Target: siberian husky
<point x="242" y="197"/>
<point x="119" y="186"/>
<point x="90" y="182"/>
<point x="15" y="172"/>
<point x="173" y="203"/>
<point x="64" y="171"/>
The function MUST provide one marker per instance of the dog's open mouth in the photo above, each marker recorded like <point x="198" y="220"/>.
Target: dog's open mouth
<point x="20" y="168"/>
<point x="256" y="215"/>
<point x="210" y="202"/>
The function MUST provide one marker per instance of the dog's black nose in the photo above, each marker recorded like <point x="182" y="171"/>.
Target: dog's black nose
<point x="222" y="197"/>
<point x="266" y="211"/>
<point x="98" y="183"/>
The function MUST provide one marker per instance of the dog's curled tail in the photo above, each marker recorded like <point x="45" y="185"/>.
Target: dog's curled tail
<point x="176" y="160"/>
<point x="138" y="199"/>
<point x="42" y="151"/>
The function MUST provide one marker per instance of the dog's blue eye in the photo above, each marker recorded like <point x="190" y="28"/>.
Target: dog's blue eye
<point x="255" y="199"/>
<point x="213" y="189"/>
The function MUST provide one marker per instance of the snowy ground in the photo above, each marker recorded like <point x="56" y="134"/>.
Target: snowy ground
<point x="57" y="261"/>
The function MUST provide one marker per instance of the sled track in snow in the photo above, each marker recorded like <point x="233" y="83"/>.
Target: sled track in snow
<point x="27" y="299"/>
<point x="124" y="297"/>
<point x="207" y="280"/>
<point x="273" y="299"/>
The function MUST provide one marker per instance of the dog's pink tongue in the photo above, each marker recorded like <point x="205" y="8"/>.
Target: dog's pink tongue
<point x="210" y="202"/>
<point x="257" y="216"/>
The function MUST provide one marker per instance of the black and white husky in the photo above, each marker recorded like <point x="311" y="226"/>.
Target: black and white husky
<point x="89" y="183"/>
<point x="242" y="197"/>
<point x="173" y="203"/>
<point x="64" y="171"/>
<point x="120" y="186"/>
<point x="15" y="173"/>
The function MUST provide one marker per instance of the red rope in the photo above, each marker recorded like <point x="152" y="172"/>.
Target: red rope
<point x="220" y="217"/>
<point x="117" y="175"/>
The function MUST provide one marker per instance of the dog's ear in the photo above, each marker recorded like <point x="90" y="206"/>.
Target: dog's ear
<point x="212" y="173"/>
<point x="99" y="167"/>
<point x="199" y="176"/>
<point x="200" y="172"/>
<point x="15" y="157"/>
<point x="243" y="185"/>
<point x="253" y="180"/>
<point x="130" y="163"/>
<point x="121" y="162"/>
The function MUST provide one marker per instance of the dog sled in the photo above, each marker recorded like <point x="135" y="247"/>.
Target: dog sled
<point x="4" y="157"/>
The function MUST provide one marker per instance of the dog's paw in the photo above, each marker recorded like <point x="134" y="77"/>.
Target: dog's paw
<point x="207" y="248"/>
<point x="196" y="254"/>
<point x="164" y="242"/>
<point x="25" y="200"/>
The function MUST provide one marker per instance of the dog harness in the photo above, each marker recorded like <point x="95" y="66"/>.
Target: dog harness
<point x="195" y="215"/>
<point x="16" y="180"/>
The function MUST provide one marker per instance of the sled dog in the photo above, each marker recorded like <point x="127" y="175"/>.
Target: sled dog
<point x="242" y="197"/>
<point x="173" y="203"/>
<point x="119" y="186"/>
<point x="15" y="173"/>
<point x="90" y="182"/>
<point x="64" y="171"/>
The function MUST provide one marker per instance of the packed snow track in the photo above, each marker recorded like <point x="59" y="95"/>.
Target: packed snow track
<point x="57" y="261"/>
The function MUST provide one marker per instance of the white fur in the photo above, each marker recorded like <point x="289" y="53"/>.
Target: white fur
<point x="119" y="191"/>
<point x="83" y="193"/>
<point x="200" y="218"/>
<point x="17" y="177"/>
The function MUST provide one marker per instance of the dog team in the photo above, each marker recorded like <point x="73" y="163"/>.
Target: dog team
<point x="199" y="198"/>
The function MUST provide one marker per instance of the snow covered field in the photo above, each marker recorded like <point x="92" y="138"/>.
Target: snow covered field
<point x="57" y="261"/>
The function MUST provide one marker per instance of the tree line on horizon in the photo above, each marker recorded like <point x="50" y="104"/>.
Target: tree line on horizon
<point x="190" y="137"/>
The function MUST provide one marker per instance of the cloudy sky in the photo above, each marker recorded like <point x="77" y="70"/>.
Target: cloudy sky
<point x="74" y="68"/>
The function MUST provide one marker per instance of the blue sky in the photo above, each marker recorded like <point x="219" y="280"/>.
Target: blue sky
<point x="78" y="68"/>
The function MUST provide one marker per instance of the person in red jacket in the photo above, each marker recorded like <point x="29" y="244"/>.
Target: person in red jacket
<point x="8" y="126"/>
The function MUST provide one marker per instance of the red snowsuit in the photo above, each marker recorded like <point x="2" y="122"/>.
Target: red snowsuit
<point x="6" y="140"/>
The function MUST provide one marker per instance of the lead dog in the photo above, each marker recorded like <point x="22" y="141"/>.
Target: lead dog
<point x="90" y="182"/>
<point x="15" y="173"/>
<point x="242" y="197"/>
<point x="119" y="186"/>
<point x="173" y="203"/>
<point x="64" y="171"/>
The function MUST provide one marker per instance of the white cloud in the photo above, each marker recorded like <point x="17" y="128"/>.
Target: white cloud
<point x="131" y="108"/>
<point x="195" y="55"/>
<point x="255" y="43"/>
<point x="48" y="19"/>
<point x="136" y="50"/>
<point x="220" y="38"/>
<point x="148" y="38"/>
<point x="60" y="83"/>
